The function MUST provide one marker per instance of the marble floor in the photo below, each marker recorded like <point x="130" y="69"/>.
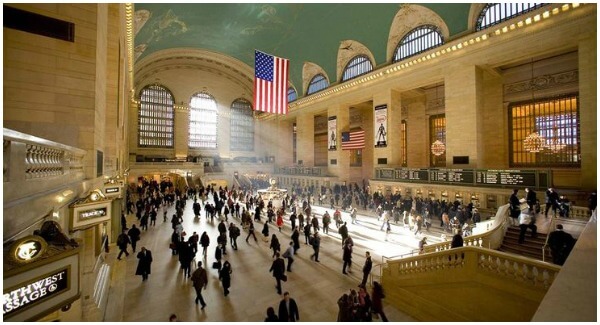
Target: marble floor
<point x="316" y="287"/>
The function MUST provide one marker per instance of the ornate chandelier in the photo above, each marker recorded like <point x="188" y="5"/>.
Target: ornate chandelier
<point x="534" y="142"/>
<point x="438" y="148"/>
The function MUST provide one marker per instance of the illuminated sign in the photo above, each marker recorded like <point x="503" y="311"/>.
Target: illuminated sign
<point x="27" y="249"/>
<point x="35" y="291"/>
<point x="109" y="190"/>
<point x="89" y="214"/>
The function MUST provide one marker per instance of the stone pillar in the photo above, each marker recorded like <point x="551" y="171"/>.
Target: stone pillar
<point x="182" y="122"/>
<point x="342" y="157"/>
<point x="417" y="133"/>
<point x="587" y="110"/>
<point x="284" y="131"/>
<point x="392" y="152"/>
<point x="494" y="114"/>
<point x="463" y="121"/>
<point x="305" y="141"/>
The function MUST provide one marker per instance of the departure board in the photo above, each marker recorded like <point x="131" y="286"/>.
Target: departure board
<point x="461" y="176"/>
<point x="408" y="174"/>
<point x="506" y="178"/>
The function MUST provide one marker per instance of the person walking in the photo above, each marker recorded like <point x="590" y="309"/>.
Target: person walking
<point x="315" y="223"/>
<point x="514" y="207"/>
<point x="225" y="277"/>
<point x="526" y="220"/>
<point x="306" y="233"/>
<point x="347" y="256"/>
<point x="134" y="235"/>
<point x="200" y="280"/>
<point x="531" y="198"/>
<point x="552" y="199"/>
<point x="296" y="240"/>
<point x="122" y="242"/>
<point x="293" y="220"/>
<point x="251" y="231"/>
<point x="204" y="241"/>
<point x="377" y="295"/>
<point x="343" y="231"/>
<point x="271" y="317"/>
<point x="234" y="233"/>
<point x="560" y="244"/>
<point x="326" y="222"/>
<point x="279" y="221"/>
<point x="144" y="263"/>
<point x="275" y="245"/>
<point x="288" y="309"/>
<point x="366" y="268"/>
<point x="278" y="269"/>
<point x="315" y="241"/>
<point x="289" y="254"/>
<point x="186" y="256"/>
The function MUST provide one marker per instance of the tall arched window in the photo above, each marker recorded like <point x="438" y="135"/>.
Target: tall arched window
<point x="495" y="13"/>
<point x="418" y="40"/>
<point x="155" y="116"/>
<point x="292" y="95"/>
<point x="317" y="83"/>
<point x="359" y="65"/>
<point x="203" y="121"/>
<point x="242" y="126"/>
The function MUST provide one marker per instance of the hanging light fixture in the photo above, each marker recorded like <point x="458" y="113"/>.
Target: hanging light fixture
<point x="534" y="142"/>
<point x="438" y="148"/>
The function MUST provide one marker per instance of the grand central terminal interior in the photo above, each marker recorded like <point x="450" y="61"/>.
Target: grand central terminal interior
<point x="313" y="162"/>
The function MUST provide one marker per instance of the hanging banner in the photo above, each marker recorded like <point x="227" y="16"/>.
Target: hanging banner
<point x="332" y="133"/>
<point x="380" y="126"/>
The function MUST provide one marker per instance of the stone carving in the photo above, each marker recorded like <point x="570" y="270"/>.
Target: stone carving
<point x="43" y="161"/>
<point x="542" y="82"/>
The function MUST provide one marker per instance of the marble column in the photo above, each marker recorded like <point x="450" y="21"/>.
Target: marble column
<point x="463" y="92"/>
<point x="305" y="140"/>
<point x="587" y="110"/>
<point x="341" y="168"/>
<point x="181" y="132"/>
<point x="417" y="133"/>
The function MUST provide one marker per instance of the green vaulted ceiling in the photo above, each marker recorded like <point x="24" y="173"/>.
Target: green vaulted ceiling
<point x="300" y="32"/>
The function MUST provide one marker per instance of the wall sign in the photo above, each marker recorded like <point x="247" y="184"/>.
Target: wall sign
<point x="88" y="214"/>
<point x="332" y="133"/>
<point x="35" y="291"/>
<point x="380" y="126"/>
<point x="109" y="190"/>
<point x="27" y="249"/>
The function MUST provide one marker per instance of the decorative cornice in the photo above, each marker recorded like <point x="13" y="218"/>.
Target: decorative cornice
<point x="543" y="82"/>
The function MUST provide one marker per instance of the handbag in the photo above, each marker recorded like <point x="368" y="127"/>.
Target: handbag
<point x="172" y="245"/>
<point x="284" y="278"/>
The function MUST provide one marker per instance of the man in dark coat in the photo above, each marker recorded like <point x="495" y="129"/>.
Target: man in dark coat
<point x="347" y="256"/>
<point x="288" y="309"/>
<point x="560" y="244"/>
<point x="367" y="269"/>
<point x="531" y="198"/>
<point x="134" y="235"/>
<point x="122" y="241"/>
<point x="200" y="280"/>
<point x="343" y="230"/>
<point x="278" y="269"/>
<point x="144" y="263"/>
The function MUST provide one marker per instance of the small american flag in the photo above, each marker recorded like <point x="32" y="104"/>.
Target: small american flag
<point x="353" y="140"/>
<point x="270" y="83"/>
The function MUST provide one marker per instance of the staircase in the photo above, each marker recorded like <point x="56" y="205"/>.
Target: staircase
<point x="532" y="247"/>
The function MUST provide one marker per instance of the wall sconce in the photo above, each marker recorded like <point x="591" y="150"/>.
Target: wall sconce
<point x="445" y="194"/>
<point x="458" y="195"/>
<point x="474" y="196"/>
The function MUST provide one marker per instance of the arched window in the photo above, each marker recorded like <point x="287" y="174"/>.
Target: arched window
<point x="292" y="95"/>
<point x="417" y="41"/>
<point x="359" y="65"/>
<point x="495" y="13"/>
<point x="242" y="126"/>
<point x="318" y="82"/>
<point x="155" y="127"/>
<point x="203" y="121"/>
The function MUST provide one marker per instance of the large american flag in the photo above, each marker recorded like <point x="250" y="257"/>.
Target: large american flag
<point x="270" y="83"/>
<point x="353" y="140"/>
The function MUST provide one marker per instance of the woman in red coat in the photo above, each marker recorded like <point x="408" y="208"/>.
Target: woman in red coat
<point x="279" y="220"/>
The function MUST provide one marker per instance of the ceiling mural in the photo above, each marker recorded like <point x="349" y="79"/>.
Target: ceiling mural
<point x="300" y="32"/>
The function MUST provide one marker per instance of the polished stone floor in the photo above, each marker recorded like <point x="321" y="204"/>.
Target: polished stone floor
<point x="316" y="287"/>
